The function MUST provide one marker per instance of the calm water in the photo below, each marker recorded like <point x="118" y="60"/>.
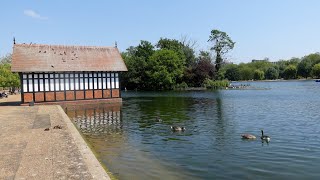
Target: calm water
<point x="134" y="145"/>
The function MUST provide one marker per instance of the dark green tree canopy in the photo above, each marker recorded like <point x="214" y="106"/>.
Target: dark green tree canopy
<point x="272" y="73"/>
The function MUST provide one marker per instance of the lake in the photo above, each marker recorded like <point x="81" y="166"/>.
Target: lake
<point x="133" y="143"/>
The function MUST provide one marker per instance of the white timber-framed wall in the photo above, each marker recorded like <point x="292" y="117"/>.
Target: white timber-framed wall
<point x="69" y="86"/>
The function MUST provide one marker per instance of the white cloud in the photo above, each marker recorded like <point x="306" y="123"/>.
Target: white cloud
<point x="33" y="14"/>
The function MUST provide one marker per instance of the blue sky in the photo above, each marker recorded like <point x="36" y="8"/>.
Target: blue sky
<point x="277" y="29"/>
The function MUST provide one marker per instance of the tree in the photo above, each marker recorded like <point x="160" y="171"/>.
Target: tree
<point x="222" y="43"/>
<point x="316" y="70"/>
<point x="7" y="78"/>
<point x="305" y="66"/>
<point x="164" y="68"/>
<point x="258" y="75"/>
<point x="272" y="73"/>
<point x="137" y="60"/>
<point x="246" y="73"/>
<point x="232" y="73"/>
<point x="290" y="72"/>
<point x="6" y="59"/>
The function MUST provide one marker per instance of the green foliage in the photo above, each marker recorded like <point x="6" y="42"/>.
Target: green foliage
<point x="181" y="86"/>
<point x="202" y="69"/>
<point x="290" y="72"/>
<point x="246" y="73"/>
<point x="316" y="70"/>
<point x="232" y="73"/>
<point x="222" y="43"/>
<point x="258" y="75"/>
<point x="7" y="78"/>
<point x="164" y="69"/>
<point x="211" y="84"/>
<point x="137" y="60"/>
<point x="305" y="66"/>
<point x="272" y="73"/>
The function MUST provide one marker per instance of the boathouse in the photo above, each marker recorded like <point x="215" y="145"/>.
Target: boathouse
<point x="51" y="73"/>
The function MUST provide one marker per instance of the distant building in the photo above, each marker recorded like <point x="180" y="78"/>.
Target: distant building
<point x="51" y="73"/>
<point x="263" y="60"/>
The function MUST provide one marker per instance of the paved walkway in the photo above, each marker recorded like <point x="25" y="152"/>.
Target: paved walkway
<point x="27" y="151"/>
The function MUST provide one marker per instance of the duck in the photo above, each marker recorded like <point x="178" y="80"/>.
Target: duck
<point x="177" y="128"/>
<point x="264" y="137"/>
<point x="158" y="119"/>
<point x="248" y="136"/>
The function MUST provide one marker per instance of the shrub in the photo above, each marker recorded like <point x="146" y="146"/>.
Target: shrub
<point x="211" y="84"/>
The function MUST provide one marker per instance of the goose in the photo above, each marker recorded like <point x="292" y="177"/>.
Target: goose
<point x="248" y="136"/>
<point x="264" y="137"/>
<point x="177" y="128"/>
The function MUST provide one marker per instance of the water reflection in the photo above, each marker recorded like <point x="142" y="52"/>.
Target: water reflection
<point x="130" y="138"/>
<point x="96" y="119"/>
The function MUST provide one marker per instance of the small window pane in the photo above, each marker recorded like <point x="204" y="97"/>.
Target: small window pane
<point x="108" y="83"/>
<point x="100" y="83"/>
<point x="30" y="85"/>
<point x="36" y="85"/>
<point x="94" y="83"/>
<point x="81" y="75"/>
<point x="104" y="83"/>
<point x="46" y="84"/>
<point x="62" y="84"/>
<point x="25" y="76"/>
<point x="67" y="84"/>
<point x="90" y="74"/>
<point x="86" y="83"/>
<point x="46" y="76"/>
<point x="41" y="85"/>
<point x="81" y="84"/>
<point x="76" y="83"/>
<point x="71" y="84"/>
<point x="76" y="75"/>
<point x="112" y="83"/>
<point x="57" y="84"/>
<point x="117" y="83"/>
<point x="103" y="74"/>
<point x="56" y="75"/>
<point x="71" y="75"/>
<point x="25" y="86"/>
<point x="40" y="75"/>
<point x="51" y="85"/>
<point x="35" y="76"/>
<point x="51" y="75"/>
<point x="66" y="75"/>
<point x="90" y="83"/>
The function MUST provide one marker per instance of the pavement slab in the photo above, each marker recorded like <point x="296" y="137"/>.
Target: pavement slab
<point x="28" y="151"/>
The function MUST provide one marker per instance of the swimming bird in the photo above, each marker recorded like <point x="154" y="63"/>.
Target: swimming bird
<point x="177" y="128"/>
<point x="248" y="136"/>
<point x="264" y="137"/>
<point x="158" y="119"/>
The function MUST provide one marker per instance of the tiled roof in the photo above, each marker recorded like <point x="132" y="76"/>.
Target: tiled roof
<point x="57" y="58"/>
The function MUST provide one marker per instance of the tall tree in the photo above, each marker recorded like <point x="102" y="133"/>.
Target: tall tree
<point x="164" y="69"/>
<point x="222" y="43"/>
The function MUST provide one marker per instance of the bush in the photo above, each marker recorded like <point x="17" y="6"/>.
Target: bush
<point x="211" y="84"/>
<point x="316" y="70"/>
<point x="181" y="86"/>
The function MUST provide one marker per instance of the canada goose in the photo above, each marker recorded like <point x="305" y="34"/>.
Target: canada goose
<point x="177" y="128"/>
<point x="264" y="137"/>
<point x="248" y="136"/>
